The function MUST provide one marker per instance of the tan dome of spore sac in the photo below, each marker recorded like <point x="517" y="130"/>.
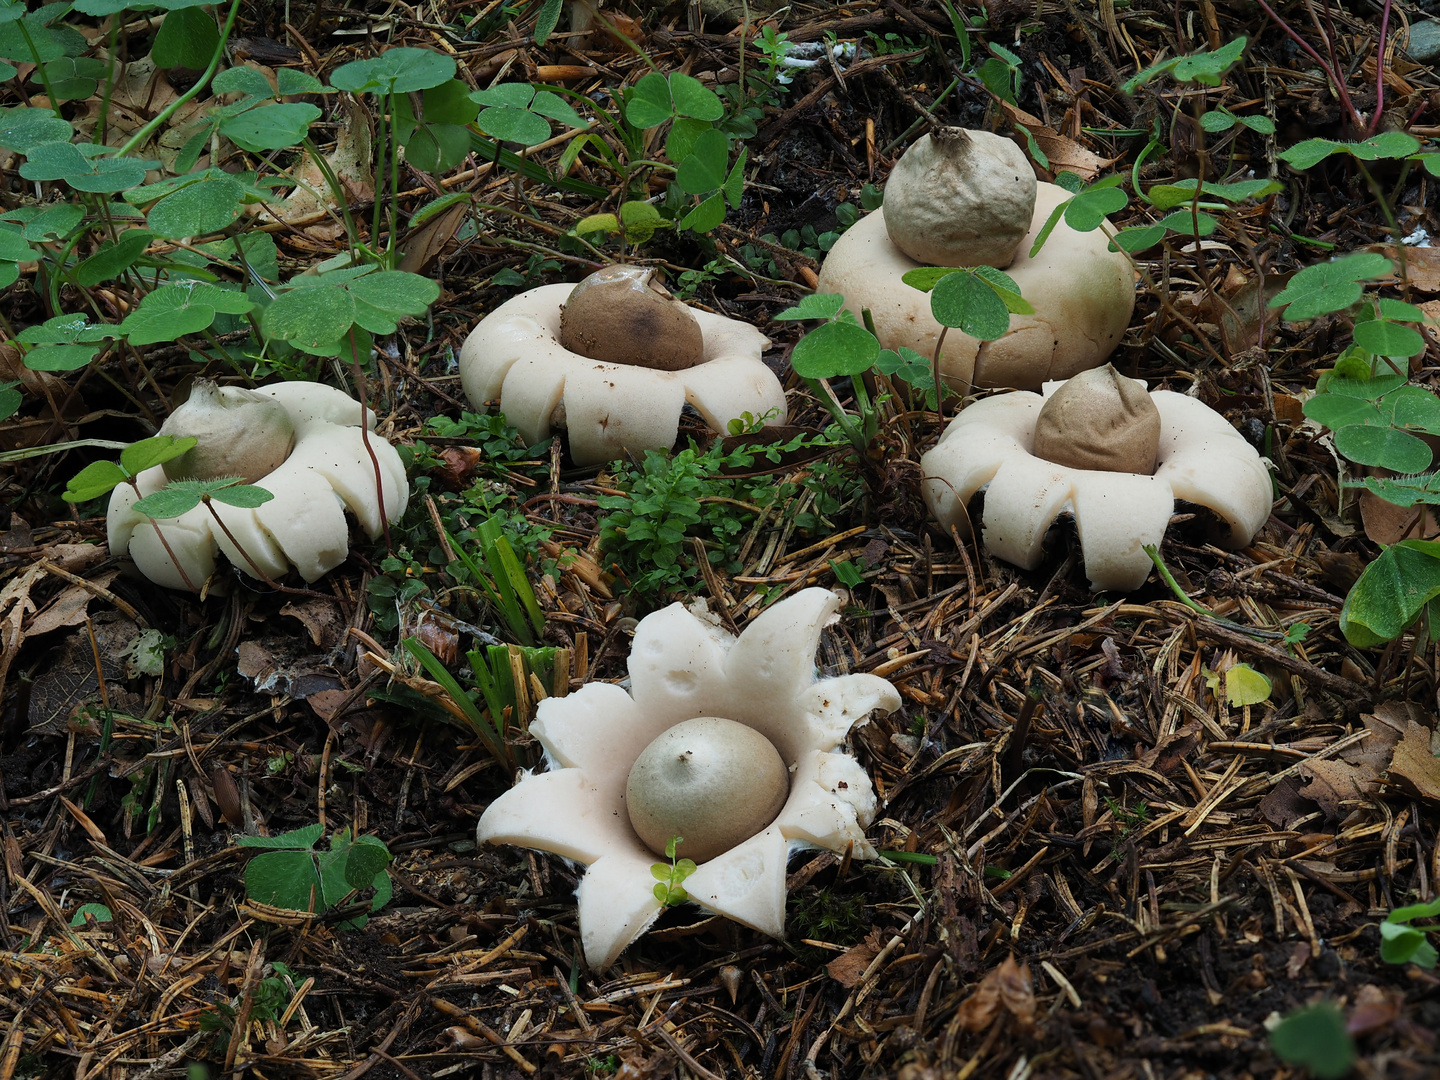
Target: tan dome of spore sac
<point x="960" y="198"/>
<point x="621" y="315"/>
<point x="1102" y="421"/>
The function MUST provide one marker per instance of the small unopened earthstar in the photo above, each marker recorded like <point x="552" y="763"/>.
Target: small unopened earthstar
<point x="967" y="198"/>
<point x="1104" y="449"/>
<point x="301" y="442"/>
<point x="731" y="744"/>
<point x="613" y="361"/>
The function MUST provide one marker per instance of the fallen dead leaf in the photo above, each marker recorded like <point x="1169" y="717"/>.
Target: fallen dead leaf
<point x="1007" y="986"/>
<point x="1373" y="1010"/>
<point x="1385" y="523"/>
<point x="1335" y="783"/>
<point x="1414" y="769"/>
<point x="1421" y="264"/>
<point x="1065" y="153"/>
<point x="847" y="968"/>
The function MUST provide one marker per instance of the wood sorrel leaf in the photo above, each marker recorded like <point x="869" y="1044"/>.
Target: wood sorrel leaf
<point x="836" y="348"/>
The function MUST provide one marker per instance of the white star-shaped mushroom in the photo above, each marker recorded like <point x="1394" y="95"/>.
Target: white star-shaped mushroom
<point x="1201" y="459"/>
<point x="682" y="667"/>
<point x="608" y="408"/>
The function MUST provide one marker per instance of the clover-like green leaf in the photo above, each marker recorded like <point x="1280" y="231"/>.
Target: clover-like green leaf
<point x="704" y="169"/>
<point x="208" y="205"/>
<point x="814" y="306"/>
<point x="65" y="161"/>
<point x="186" y="308"/>
<point x="96" y="479"/>
<point x="113" y="257"/>
<point x="1391" y="593"/>
<point x="969" y="304"/>
<point x="311" y="318"/>
<point x="187" y="38"/>
<point x="650" y="103"/>
<point x="834" y="349"/>
<point x="1385" y="338"/>
<point x="384" y="297"/>
<point x="1330" y="286"/>
<point x="271" y="127"/>
<point x="395" y="71"/>
<point x="147" y="453"/>
<point x="26" y="128"/>
<point x="1315" y="1037"/>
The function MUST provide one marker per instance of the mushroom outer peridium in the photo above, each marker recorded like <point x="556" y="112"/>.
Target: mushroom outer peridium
<point x="237" y="431"/>
<point x="610" y="410"/>
<point x="1082" y="292"/>
<point x="620" y="315"/>
<point x="329" y="471"/>
<point x="710" y="781"/>
<point x="1099" y="420"/>
<point x="959" y="197"/>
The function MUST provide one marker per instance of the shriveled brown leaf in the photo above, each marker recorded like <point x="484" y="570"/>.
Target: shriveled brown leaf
<point x="1374" y="1009"/>
<point x="847" y="968"/>
<point x="1284" y="805"/>
<point x="1065" y="153"/>
<point x="1007" y="986"/>
<point x="1334" y="783"/>
<point x="1414" y="769"/>
<point x="1386" y="523"/>
<point x="1421" y="264"/>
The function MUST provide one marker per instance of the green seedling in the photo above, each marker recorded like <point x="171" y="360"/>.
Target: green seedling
<point x="1402" y="943"/>
<point x="1316" y="1038"/>
<point x="669" y="876"/>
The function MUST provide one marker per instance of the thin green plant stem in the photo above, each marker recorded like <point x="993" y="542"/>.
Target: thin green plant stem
<point x="1394" y="225"/>
<point x="163" y="117"/>
<point x="39" y="67"/>
<point x="1194" y="605"/>
<point x="382" y="137"/>
<point x="337" y="192"/>
<point x="98" y="137"/>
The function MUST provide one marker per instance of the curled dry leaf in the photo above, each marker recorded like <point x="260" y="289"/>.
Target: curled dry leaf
<point x="1006" y="987"/>
<point x="1414" y="768"/>
<point x="1374" y="1010"/>
<point x="847" y="968"/>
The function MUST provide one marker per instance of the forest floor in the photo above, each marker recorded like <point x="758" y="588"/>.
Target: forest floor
<point x="1099" y="867"/>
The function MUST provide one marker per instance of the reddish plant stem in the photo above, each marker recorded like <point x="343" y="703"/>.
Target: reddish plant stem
<point x="260" y="573"/>
<point x="160" y="533"/>
<point x="1330" y="72"/>
<point x="1380" y="69"/>
<point x="365" y="438"/>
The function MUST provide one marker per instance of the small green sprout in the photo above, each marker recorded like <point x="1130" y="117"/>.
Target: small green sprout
<point x="669" y="891"/>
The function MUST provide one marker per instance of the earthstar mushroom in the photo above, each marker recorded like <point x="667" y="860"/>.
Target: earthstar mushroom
<point x="1083" y="293"/>
<point x="241" y="433"/>
<point x="328" y="471"/>
<point x="992" y="445"/>
<point x="683" y="666"/>
<point x="627" y="398"/>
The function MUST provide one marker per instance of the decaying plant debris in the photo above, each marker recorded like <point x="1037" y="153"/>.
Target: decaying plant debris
<point x="1098" y="867"/>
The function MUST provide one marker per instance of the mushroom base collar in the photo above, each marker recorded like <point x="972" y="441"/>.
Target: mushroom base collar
<point x="1202" y="460"/>
<point x="304" y="525"/>
<point x="1082" y="292"/>
<point x="515" y="356"/>
<point x="683" y="667"/>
